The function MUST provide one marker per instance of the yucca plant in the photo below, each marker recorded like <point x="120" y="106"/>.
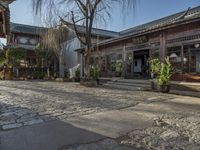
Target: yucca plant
<point x="163" y="79"/>
<point x="165" y="73"/>
<point x="118" y="68"/>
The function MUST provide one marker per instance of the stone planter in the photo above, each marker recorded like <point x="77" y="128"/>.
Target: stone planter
<point x="164" y="88"/>
<point x="159" y="88"/>
<point x="8" y="76"/>
<point x="89" y="83"/>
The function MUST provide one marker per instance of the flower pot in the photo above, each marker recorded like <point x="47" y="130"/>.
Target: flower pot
<point x="89" y="83"/>
<point x="164" y="88"/>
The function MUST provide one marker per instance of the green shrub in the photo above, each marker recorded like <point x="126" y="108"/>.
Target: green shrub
<point x="118" y="67"/>
<point x="94" y="72"/>
<point x="66" y="73"/>
<point x="78" y="72"/>
<point x="155" y="65"/>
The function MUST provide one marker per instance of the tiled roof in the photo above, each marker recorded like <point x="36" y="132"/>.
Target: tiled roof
<point x="181" y="16"/>
<point x="95" y="31"/>
<point x="184" y="16"/>
<point x="27" y="29"/>
<point x="5" y="3"/>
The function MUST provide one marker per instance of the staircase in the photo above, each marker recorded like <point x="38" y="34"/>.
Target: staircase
<point x="126" y="84"/>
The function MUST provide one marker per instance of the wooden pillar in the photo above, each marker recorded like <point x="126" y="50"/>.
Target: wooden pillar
<point x="133" y="64"/>
<point x="162" y="52"/>
<point x="182" y="58"/>
<point x="124" y="60"/>
<point x="189" y="60"/>
<point x="106" y="64"/>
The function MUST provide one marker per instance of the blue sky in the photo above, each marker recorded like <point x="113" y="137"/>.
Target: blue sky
<point x="146" y="10"/>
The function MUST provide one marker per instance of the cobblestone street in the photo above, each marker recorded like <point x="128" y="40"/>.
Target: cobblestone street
<point x="100" y="118"/>
<point x="26" y="103"/>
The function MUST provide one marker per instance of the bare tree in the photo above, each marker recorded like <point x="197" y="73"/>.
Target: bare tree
<point x="55" y="39"/>
<point x="85" y="12"/>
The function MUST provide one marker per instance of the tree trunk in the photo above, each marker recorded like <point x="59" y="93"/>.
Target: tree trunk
<point x="87" y="63"/>
<point x="61" y="67"/>
<point x="87" y="68"/>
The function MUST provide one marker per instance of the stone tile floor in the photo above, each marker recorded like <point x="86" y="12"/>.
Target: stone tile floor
<point x="24" y="103"/>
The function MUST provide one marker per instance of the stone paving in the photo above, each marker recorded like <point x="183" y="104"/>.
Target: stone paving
<point x="24" y="103"/>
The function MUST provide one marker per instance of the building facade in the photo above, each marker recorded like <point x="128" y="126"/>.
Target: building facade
<point x="28" y="37"/>
<point x="176" y="36"/>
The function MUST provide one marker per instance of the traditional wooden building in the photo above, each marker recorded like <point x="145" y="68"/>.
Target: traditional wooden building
<point x="176" y="36"/>
<point x="4" y="17"/>
<point x="27" y="37"/>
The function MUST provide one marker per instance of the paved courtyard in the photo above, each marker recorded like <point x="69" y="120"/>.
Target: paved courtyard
<point x="68" y="113"/>
<point x="26" y="103"/>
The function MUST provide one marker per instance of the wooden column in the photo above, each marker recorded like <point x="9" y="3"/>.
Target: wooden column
<point x="133" y="64"/>
<point x="162" y="52"/>
<point x="124" y="60"/>
<point x="189" y="60"/>
<point x="182" y="58"/>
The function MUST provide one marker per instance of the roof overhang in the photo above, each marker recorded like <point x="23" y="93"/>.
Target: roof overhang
<point x="128" y="36"/>
<point x="4" y="17"/>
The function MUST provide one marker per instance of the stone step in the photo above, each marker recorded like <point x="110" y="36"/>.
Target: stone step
<point x="122" y="87"/>
<point x="129" y="84"/>
<point x="126" y="86"/>
<point x="143" y="82"/>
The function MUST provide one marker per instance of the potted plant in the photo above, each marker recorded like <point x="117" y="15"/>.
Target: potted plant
<point x="164" y="76"/>
<point x="118" y="68"/>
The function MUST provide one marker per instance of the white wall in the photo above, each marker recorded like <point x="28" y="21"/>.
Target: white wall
<point x="71" y="57"/>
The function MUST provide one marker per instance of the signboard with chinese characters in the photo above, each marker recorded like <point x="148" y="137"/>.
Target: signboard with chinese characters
<point x="140" y="40"/>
